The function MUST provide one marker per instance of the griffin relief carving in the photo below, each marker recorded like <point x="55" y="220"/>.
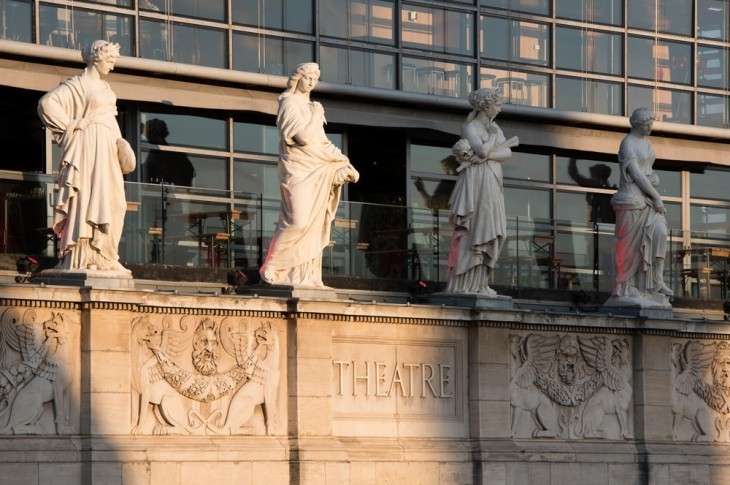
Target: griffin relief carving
<point x="570" y="387"/>
<point x="36" y="368"/>
<point x="701" y="391"/>
<point x="205" y="376"/>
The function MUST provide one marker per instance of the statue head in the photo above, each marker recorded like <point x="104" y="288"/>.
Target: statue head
<point x="301" y="70"/>
<point x="100" y="50"/>
<point x="721" y="365"/>
<point x="641" y="116"/>
<point x="206" y="348"/>
<point x="568" y="351"/>
<point x="485" y="97"/>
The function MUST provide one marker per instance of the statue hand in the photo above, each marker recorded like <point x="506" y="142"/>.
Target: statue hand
<point x="419" y="184"/>
<point x="659" y="206"/>
<point x="82" y="124"/>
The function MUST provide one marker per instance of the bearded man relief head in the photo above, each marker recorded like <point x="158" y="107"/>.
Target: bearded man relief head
<point x="206" y="347"/>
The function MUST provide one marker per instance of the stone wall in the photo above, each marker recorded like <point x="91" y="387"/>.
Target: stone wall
<point x="137" y="387"/>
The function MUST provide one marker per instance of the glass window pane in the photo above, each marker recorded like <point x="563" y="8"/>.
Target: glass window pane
<point x="670" y="182"/>
<point x="288" y="15"/>
<point x="256" y="178"/>
<point x="357" y="67"/>
<point x="713" y="221"/>
<point x="518" y="41"/>
<point x="712" y="184"/>
<point x="588" y="51"/>
<point x="255" y="138"/>
<point x="205" y="9"/>
<point x="192" y="45"/>
<point x="663" y="61"/>
<point x="593" y="11"/>
<point x="184" y="130"/>
<point x="712" y="19"/>
<point x="712" y="67"/>
<point x="431" y="159"/>
<point x="670" y="16"/>
<point x="668" y="105"/>
<point x="523" y="88"/>
<point x="369" y="20"/>
<point x="269" y="55"/>
<point x="579" y="94"/>
<point x="169" y="167"/>
<point x="120" y="3"/>
<point x="582" y="209"/>
<point x="17" y="24"/>
<point x="76" y="28"/>
<point x="587" y="173"/>
<point x="530" y="6"/>
<point x="712" y="110"/>
<point x="437" y="77"/>
<point x="529" y="203"/>
<point x="527" y="166"/>
<point x="437" y="29"/>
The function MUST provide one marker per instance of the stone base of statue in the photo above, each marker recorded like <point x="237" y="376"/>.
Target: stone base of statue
<point x="653" y="305"/>
<point x="471" y="300"/>
<point x="288" y="291"/>
<point x="85" y="277"/>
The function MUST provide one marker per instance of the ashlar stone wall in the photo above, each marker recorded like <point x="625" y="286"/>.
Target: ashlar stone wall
<point x="138" y="387"/>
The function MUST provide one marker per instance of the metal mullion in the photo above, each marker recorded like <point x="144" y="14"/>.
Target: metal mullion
<point x="91" y="6"/>
<point x="189" y="150"/>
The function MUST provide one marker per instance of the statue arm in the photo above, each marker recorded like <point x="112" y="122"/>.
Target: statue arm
<point x="632" y="167"/>
<point x="482" y="149"/>
<point x="311" y="127"/>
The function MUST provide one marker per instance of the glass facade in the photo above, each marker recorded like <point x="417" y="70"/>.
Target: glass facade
<point x="596" y="56"/>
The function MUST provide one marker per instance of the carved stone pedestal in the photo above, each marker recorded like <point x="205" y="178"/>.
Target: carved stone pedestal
<point x="497" y="302"/>
<point x="94" y="278"/>
<point x="652" y="306"/>
<point x="285" y="291"/>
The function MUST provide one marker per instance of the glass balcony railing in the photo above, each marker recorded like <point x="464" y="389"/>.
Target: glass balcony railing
<point x="202" y="228"/>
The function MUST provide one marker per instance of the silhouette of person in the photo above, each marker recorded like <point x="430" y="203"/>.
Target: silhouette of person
<point x="163" y="166"/>
<point x="440" y="197"/>
<point x="599" y="205"/>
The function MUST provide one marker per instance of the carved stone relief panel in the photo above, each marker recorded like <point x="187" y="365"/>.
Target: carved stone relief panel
<point x="568" y="386"/>
<point x="38" y="372"/>
<point x="206" y="375"/>
<point x="701" y="391"/>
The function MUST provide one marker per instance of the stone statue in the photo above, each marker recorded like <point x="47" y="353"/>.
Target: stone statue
<point x="477" y="201"/>
<point x="641" y="229"/>
<point x="312" y="171"/>
<point x="90" y="208"/>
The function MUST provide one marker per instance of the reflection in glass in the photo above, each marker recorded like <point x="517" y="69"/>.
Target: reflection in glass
<point x="712" y="19"/>
<point x="527" y="166"/>
<point x="530" y="6"/>
<point x="532" y="204"/>
<point x="433" y="194"/>
<point x="525" y="88"/>
<point x="661" y="61"/>
<point x="192" y="45"/>
<point x="437" y="77"/>
<point x="437" y="29"/>
<point x="369" y="20"/>
<point x="709" y="220"/>
<point x="256" y="178"/>
<point x="75" y="28"/>
<point x="668" y="105"/>
<point x="202" y="9"/>
<point x="356" y="67"/>
<point x="288" y="15"/>
<point x="16" y="23"/>
<point x="191" y="131"/>
<point x="593" y="11"/>
<point x="712" y="110"/>
<point x="712" y="184"/>
<point x="571" y="171"/>
<point x="588" y="51"/>
<point x="269" y="55"/>
<point x="712" y="67"/>
<point x="670" y="16"/>
<point x="581" y="94"/>
<point x="161" y="165"/>
<point x="593" y="206"/>
<point x="255" y="138"/>
<point x="519" y="41"/>
<point x="425" y="158"/>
